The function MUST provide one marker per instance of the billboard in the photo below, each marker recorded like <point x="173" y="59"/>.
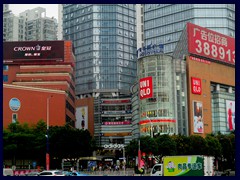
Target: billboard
<point x="197" y="117"/>
<point x="230" y="112"/>
<point x="82" y="117"/>
<point x="33" y="50"/>
<point x="210" y="44"/>
<point x="146" y="88"/>
<point x="196" y="85"/>
<point x="183" y="166"/>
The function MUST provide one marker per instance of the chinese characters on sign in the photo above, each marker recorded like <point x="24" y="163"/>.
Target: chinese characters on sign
<point x="211" y="44"/>
<point x="149" y="50"/>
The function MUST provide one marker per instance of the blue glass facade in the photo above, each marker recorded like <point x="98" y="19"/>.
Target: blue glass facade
<point x="105" y="45"/>
<point x="163" y="23"/>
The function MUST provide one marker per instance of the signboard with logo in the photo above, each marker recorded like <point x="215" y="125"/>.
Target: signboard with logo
<point x="33" y="50"/>
<point x="14" y="104"/>
<point x="146" y="87"/>
<point x="196" y="85"/>
<point x="207" y="43"/>
<point x="150" y="50"/>
<point x="183" y="166"/>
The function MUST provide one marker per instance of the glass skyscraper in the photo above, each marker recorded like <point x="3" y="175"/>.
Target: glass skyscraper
<point x="104" y="39"/>
<point x="163" y="23"/>
<point x="105" y="46"/>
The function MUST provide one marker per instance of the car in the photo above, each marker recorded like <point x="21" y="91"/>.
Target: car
<point x="34" y="173"/>
<point x="51" y="173"/>
<point x="7" y="172"/>
<point x="75" y="173"/>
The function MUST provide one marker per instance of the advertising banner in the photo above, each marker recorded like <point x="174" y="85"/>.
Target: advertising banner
<point x="230" y="109"/>
<point x="33" y="50"/>
<point x="146" y="88"/>
<point x="210" y="44"/>
<point x="196" y="85"/>
<point x="183" y="166"/>
<point x="82" y="117"/>
<point x="197" y="117"/>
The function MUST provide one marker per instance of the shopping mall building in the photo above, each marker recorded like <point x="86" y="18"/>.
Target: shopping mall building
<point x="191" y="92"/>
<point x="38" y="82"/>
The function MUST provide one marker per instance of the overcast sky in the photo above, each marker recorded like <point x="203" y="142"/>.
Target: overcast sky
<point x="51" y="9"/>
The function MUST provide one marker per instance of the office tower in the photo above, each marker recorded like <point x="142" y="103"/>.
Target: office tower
<point x="30" y="25"/>
<point x="163" y="23"/>
<point x="105" y="49"/>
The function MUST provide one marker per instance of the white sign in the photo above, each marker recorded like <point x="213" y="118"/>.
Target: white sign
<point x="114" y="146"/>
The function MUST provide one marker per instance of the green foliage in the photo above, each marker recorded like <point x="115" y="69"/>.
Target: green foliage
<point x="24" y="142"/>
<point x="222" y="147"/>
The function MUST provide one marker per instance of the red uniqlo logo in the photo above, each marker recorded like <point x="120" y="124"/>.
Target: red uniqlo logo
<point x="145" y="86"/>
<point x="196" y="85"/>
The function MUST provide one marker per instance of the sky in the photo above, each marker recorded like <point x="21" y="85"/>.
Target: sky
<point x="51" y="9"/>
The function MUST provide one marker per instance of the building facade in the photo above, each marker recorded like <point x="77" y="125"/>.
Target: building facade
<point x="105" y="48"/>
<point x="38" y="82"/>
<point x="163" y="23"/>
<point x="30" y="25"/>
<point x="210" y="92"/>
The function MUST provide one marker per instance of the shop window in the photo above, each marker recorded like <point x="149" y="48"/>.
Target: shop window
<point x="14" y="118"/>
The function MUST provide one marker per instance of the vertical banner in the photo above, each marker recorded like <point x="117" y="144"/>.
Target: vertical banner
<point x="197" y="117"/>
<point x="82" y="117"/>
<point x="146" y="88"/>
<point x="47" y="161"/>
<point x="230" y="109"/>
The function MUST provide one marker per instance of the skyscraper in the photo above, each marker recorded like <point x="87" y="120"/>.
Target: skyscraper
<point x="163" y="23"/>
<point x="105" y="49"/>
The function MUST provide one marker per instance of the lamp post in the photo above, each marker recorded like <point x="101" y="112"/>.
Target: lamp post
<point x="47" y="150"/>
<point x="151" y="126"/>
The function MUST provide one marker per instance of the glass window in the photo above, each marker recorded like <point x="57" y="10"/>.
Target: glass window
<point x="5" y="67"/>
<point x="5" y="78"/>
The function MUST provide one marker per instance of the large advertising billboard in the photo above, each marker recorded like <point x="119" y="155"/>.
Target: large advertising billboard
<point x="207" y="43"/>
<point x="33" y="50"/>
<point x="146" y="88"/>
<point x="230" y="109"/>
<point x="82" y="117"/>
<point x="197" y="117"/>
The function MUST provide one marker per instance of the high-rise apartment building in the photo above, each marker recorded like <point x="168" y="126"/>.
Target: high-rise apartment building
<point x="30" y="25"/>
<point x="105" y="49"/>
<point x="163" y="23"/>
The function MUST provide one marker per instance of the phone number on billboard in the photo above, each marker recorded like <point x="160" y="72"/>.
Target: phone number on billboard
<point x="217" y="52"/>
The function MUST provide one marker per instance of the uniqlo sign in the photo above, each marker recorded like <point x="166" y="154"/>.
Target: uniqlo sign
<point x="207" y="43"/>
<point x="196" y="85"/>
<point x="146" y="87"/>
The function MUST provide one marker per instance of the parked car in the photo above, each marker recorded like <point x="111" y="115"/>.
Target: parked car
<point x="35" y="173"/>
<point x="51" y="173"/>
<point x="78" y="174"/>
<point x="7" y="172"/>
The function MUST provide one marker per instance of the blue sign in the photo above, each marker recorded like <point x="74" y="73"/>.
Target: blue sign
<point x="14" y="104"/>
<point x="150" y="50"/>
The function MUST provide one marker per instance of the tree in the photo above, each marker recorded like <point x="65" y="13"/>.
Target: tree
<point x="182" y="144"/>
<point x="197" y="145"/>
<point x="166" y="145"/>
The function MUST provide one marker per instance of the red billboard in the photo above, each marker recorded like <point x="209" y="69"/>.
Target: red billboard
<point x="207" y="43"/>
<point x="146" y="87"/>
<point x="196" y="85"/>
<point x="33" y="50"/>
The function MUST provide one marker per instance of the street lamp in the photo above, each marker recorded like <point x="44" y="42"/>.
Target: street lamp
<point x="151" y="126"/>
<point x="47" y="151"/>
